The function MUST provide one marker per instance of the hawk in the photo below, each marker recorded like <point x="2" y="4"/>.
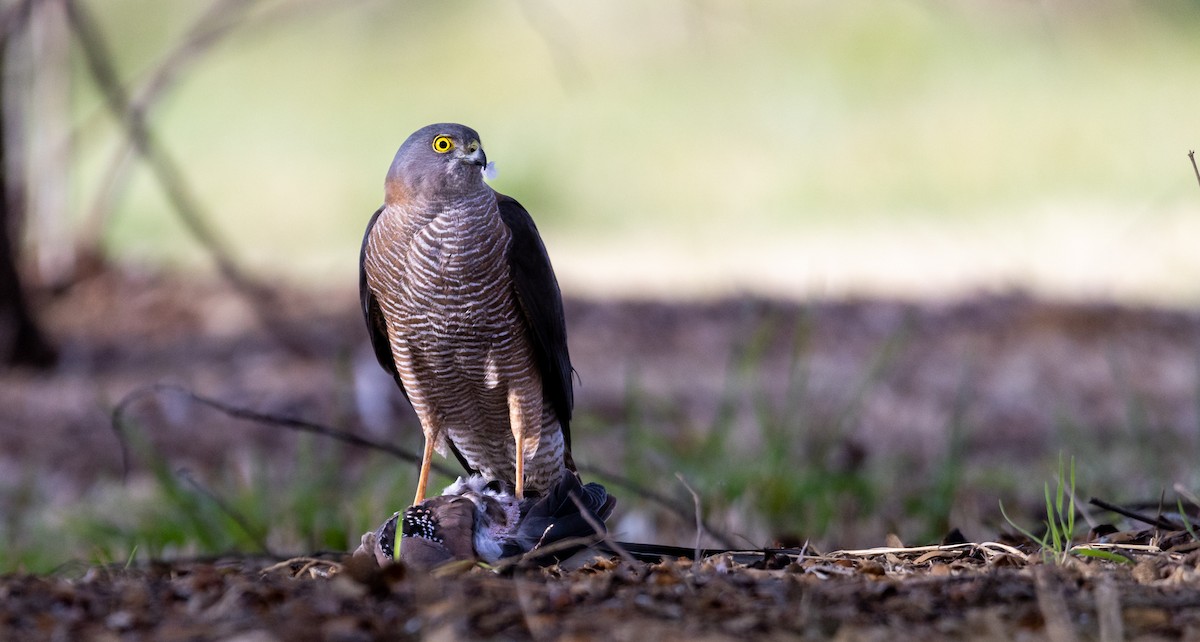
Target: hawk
<point x="464" y="311"/>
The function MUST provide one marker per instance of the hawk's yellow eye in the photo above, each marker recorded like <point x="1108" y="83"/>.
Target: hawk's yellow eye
<point x="442" y="144"/>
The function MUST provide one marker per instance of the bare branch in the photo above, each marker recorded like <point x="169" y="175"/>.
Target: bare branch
<point x="1159" y="522"/>
<point x="657" y="498"/>
<point x="99" y="63"/>
<point x="120" y="425"/>
<point x="291" y="423"/>
<point x="166" y="171"/>
<point x="210" y="28"/>
<point x="600" y="531"/>
<point x="221" y="19"/>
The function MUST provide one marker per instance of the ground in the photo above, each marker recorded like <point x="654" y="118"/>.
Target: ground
<point x="979" y="393"/>
<point x="975" y="592"/>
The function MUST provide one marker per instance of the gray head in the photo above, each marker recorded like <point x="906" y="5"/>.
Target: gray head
<point x="443" y="159"/>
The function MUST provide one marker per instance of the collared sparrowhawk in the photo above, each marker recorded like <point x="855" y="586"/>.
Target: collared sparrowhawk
<point x="464" y="311"/>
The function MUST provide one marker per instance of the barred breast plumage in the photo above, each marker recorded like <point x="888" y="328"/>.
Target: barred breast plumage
<point x="453" y="317"/>
<point x="463" y="323"/>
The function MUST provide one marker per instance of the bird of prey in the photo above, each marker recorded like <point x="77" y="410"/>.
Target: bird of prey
<point x="464" y="311"/>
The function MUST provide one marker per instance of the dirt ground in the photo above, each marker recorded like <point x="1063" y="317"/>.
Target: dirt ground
<point x="970" y="592"/>
<point x="894" y="376"/>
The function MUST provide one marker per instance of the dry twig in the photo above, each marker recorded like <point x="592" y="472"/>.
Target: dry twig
<point x="1160" y="522"/>
<point x="307" y="565"/>
<point x="699" y="519"/>
<point x="658" y="498"/>
<point x="601" y="532"/>
<point x="291" y="423"/>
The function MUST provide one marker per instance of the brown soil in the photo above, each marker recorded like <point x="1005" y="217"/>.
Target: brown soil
<point x="965" y="593"/>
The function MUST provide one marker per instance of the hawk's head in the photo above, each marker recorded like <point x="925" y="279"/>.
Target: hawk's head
<point x="442" y="160"/>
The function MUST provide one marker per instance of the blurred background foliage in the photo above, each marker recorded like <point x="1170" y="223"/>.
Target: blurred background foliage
<point x="691" y="148"/>
<point x="813" y="151"/>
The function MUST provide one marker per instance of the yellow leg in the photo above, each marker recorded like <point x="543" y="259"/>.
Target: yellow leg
<point x="423" y="480"/>
<point x="516" y="420"/>
<point x="520" y="465"/>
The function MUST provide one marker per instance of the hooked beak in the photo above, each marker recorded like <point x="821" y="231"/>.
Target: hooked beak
<point x="476" y="157"/>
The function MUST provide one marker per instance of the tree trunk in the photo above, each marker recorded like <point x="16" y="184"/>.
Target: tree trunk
<point x="22" y="342"/>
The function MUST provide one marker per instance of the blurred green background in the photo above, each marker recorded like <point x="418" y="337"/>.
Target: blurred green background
<point x="903" y="147"/>
<point x="815" y="151"/>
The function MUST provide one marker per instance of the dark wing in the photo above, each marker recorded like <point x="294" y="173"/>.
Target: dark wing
<point x="541" y="303"/>
<point x="377" y="328"/>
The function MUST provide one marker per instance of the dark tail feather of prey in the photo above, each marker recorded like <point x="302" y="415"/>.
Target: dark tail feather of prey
<point x="555" y="516"/>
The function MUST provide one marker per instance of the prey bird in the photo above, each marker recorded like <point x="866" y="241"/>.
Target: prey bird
<point x="464" y="311"/>
<point x="477" y="519"/>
